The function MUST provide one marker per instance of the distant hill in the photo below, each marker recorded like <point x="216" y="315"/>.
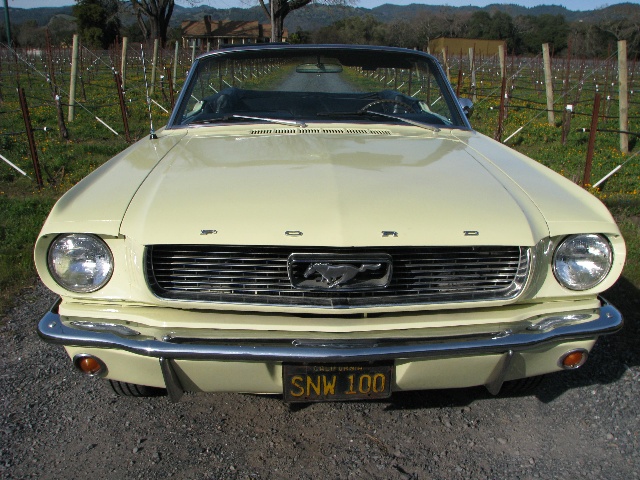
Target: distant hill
<point x="314" y="16"/>
<point x="40" y="15"/>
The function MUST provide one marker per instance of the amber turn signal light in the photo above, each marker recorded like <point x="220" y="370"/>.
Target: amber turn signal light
<point x="573" y="359"/>
<point x="89" y="364"/>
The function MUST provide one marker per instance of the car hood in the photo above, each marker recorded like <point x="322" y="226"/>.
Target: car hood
<point x="99" y="201"/>
<point x="334" y="189"/>
<point x="567" y="207"/>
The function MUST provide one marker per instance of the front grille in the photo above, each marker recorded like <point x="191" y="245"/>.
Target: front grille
<point x="258" y="275"/>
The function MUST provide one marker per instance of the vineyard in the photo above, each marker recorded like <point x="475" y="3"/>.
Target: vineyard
<point x="118" y="92"/>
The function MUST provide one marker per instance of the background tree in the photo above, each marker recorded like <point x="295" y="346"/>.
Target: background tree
<point x="498" y="26"/>
<point x="590" y="41"/>
<point x="300" y="36"/>
<point x="552" y="29"/>
<point x="133" y="32"/>
<point x="364" y="30"/>
<point x="282" y="8"/>
<point x="479" y="24"/>
<point x="153" y="17"/>
<point x="98" y="21"/>
<point x="29" y="34"/>
<point x="62" y="28"/>
<point x="401" y="33"/>
<point x="453" y="23"/>
<point x="623" y="23"/>
<point x="426" y="27"/>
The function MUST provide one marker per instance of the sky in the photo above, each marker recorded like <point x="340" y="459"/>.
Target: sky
<point x="570" y="4"/>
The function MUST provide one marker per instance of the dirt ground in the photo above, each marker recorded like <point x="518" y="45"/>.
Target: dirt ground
<point x="55" y="423"/>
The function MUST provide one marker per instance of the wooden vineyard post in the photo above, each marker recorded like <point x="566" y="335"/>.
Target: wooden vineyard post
<point x="29" y="130"/>
<point x="171" y="83"/>
<point x="568" y="110"/>
<point x="123" y="106"/>
<point x="154" y="64"/>
<point x="54" y="89"/>
<point x="548" y="82"/>
<point x="460" y="75"/>
<point x="123" y="63"/>
<point x="472" y="67"/>
<point x="503" y="93"/>
<point x="501" y="115"/>
<point x="81" y="78"/>
<point x="175" y="71"/>
<point x="446" y="63"/>
<point x="623" y="96"/>
<point x="592" y="141"/>
<point x="74" y="77"/>
<point x="607" y="77"/>
<point x="538" y="80"/>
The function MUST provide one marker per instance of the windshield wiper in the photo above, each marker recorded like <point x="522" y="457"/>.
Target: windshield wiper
<point x="293" y="123"/>
<point x="226" y="118"/>
<point x="385" y="115"/>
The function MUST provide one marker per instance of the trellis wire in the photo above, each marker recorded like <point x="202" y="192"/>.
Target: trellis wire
<point x="562" y="97"/>
<point x="46" y="77"/>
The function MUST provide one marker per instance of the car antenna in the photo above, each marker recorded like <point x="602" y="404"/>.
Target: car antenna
<point x="152" y="133"/>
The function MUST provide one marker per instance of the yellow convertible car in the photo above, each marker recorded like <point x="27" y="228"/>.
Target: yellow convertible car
<point x="322" y="223"/>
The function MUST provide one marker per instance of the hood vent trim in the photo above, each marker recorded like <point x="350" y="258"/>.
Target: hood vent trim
<point x="319" y="131"/>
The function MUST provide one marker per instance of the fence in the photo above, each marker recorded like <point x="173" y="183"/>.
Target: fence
<point x="511" y="95"/>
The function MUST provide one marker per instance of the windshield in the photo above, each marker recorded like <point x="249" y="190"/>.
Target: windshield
<point x="297" y="86"/>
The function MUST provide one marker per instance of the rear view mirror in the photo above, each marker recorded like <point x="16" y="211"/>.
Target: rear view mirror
<point x="319" y="68"/>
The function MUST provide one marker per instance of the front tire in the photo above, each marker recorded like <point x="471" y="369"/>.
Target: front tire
<point x="125" y="389"/>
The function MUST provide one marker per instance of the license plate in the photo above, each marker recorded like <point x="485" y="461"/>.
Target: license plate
<point x="329" y="382"/>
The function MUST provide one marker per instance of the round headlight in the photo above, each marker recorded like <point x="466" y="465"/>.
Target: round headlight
<point x="80" y="262"/>
<point x="582" y="261"/>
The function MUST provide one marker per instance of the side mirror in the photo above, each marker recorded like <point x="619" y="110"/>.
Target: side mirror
<point x="467" y="106"/>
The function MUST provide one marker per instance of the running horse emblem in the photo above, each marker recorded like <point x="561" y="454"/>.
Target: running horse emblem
<point x="336" y="275"/>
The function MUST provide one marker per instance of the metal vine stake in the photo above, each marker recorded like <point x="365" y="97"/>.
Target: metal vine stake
<point x="152" y="133"/>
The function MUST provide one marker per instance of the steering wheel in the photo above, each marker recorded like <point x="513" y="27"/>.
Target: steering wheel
<point x="406" y="106"/>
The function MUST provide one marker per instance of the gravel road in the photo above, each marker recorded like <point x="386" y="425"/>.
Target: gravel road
<point x="56" y="423"/>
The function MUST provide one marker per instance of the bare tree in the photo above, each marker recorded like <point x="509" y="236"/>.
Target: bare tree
<point x="623" y="22"/>
<point x="153" y="17"/>
<point x="282" y="8"/>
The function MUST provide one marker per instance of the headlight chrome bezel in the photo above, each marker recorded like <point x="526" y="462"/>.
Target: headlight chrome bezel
<point x="586" y="248"/>
<point x="80" y="262"/>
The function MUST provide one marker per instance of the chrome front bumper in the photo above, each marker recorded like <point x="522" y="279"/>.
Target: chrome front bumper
<point x="554" y="328"/>
<point x="550" y="329"/>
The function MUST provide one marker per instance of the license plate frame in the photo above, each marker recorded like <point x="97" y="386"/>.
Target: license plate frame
<point x="326" y="382"/>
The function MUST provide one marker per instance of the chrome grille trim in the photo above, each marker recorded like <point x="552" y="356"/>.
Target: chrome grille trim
<point x="258" y="275"/>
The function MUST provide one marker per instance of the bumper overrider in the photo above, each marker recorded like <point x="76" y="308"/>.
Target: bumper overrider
<point x="539" y="331"/>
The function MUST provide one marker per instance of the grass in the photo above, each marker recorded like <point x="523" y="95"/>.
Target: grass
<point x="64" y="162"/>
<point x="24" y="207"/>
